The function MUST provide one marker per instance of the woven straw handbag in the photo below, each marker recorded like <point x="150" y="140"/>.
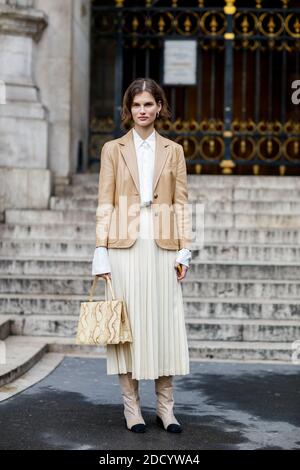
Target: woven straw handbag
<point x="105" y="321"/>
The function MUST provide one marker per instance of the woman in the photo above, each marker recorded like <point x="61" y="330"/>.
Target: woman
<point x="143" y="189"/>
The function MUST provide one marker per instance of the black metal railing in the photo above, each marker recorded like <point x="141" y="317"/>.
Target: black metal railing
<point x="239" y="116"/>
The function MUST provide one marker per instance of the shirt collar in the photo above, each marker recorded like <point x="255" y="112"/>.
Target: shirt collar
<point x="138" y="140"/>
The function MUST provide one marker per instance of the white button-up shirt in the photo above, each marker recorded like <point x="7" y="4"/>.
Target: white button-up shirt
<point x="145" y="152"/>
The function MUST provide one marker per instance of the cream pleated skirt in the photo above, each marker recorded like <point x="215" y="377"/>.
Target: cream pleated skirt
<point x="144" y="276"/>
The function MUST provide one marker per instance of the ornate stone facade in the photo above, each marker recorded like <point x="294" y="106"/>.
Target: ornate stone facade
<point x="44" y="69"/>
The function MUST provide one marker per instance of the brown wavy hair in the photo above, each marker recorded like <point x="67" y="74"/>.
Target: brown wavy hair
<point x="138" y="86"/>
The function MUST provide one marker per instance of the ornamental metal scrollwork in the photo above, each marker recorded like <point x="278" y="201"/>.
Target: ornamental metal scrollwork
<point x="271" y="24"/>
<point x="243" y="148"/>
<point x="293" y="29"/>
<point x="291" y="148"/>
<point x="190" y="146"/>
<point x="269" y="148"/>
<point x="245" y="23"/>
<point x="241" y="46"/>
<point x="212" y="148"/>
<point x="213" y="23"/>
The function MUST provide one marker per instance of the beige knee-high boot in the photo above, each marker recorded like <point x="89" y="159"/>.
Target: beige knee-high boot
<point x="131" y="399"/>
<point x="165" y="402"/>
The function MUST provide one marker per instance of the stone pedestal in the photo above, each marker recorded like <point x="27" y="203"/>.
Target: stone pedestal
<point x="23" y="118"/>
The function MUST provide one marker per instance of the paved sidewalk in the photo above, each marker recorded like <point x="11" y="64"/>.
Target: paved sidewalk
<point x="220" y="406"/>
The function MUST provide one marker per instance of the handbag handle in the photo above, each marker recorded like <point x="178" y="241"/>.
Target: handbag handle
<point x="91" y="291"/>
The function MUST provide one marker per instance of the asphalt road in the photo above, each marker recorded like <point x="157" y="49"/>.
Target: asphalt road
<point x="220" y="406"/>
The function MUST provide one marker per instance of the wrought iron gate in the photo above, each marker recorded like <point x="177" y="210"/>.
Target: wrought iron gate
<point x="242" y="115"/>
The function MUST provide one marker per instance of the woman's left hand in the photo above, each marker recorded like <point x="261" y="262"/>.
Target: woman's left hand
<point x="183" y="272"/>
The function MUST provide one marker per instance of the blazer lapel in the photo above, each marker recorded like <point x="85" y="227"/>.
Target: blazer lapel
<point x="127" y="148"/>
<point x="162" y="148"/>
<point x="128" y="151"/>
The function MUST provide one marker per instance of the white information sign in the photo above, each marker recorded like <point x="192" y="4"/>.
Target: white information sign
<point x="180" y="59"/>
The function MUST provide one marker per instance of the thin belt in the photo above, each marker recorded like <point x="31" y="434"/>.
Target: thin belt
<point x="145" y="204"/>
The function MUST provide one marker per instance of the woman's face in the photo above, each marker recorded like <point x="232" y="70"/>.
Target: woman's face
<point x="144" y="109"/>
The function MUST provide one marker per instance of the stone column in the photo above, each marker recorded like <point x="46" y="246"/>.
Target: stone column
<point x="24" y="175"/>
<point x="62" y="73"/>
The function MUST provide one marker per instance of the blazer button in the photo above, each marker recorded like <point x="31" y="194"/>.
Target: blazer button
<point x="155" y="195"/>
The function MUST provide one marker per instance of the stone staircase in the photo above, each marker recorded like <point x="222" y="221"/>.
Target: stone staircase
<point x="241" y="295"/>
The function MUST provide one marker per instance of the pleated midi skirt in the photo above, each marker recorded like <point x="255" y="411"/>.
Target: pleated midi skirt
<point x="144" y="276"/>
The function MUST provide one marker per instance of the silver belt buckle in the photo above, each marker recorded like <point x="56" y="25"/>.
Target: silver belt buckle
<point x="146" y="204"/>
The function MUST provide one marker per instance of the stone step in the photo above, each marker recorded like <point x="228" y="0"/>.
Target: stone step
<point x="215" y="288"/>
<point x="77" y="232"/>
<point x="26" y="305"/>
<point x="60" y="326"/>
<point x="199" y="329"/>
<point x="274" y="207"/>
<point x="241" y="289"/>
<point x="21" y="353"/>
<point x="209" y="350"/>
<point x="240" y="182"/>
<point x="242" y="308"/>
<point x="65" y="345"/>
<point x="54" y="247"/>
<point x="198" y="269"/>
<point x="5" y="325"/>
<point x="246" y="252"/>
<point x="76" y="190"/>
<point x="243" y="270"/>
<point x="200" y="192"/>
<point x="225" y="220"/>
<point x="245" y="330"/>
<point x="238" y="194"/>
<point x="243" y="350"/>
<point x="45" y="366"/>
<point x="25" y="351"/>
<point x="217" y="181"/>
<point x="253" y="207"/>
<point x="211" y="251"/>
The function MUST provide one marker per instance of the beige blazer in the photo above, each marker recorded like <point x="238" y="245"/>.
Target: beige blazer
<point x="118" y="211"/>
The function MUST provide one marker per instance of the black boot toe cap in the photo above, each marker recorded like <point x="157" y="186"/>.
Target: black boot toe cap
<point x="173" y="427"/>
<point x="140" y="427"/>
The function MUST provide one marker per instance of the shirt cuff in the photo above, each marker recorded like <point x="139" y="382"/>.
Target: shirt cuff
<point x="183" y="257"/>
<point x="101" y="264"/>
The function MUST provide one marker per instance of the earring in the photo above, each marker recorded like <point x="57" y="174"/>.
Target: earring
<point x="157" y="114"/>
